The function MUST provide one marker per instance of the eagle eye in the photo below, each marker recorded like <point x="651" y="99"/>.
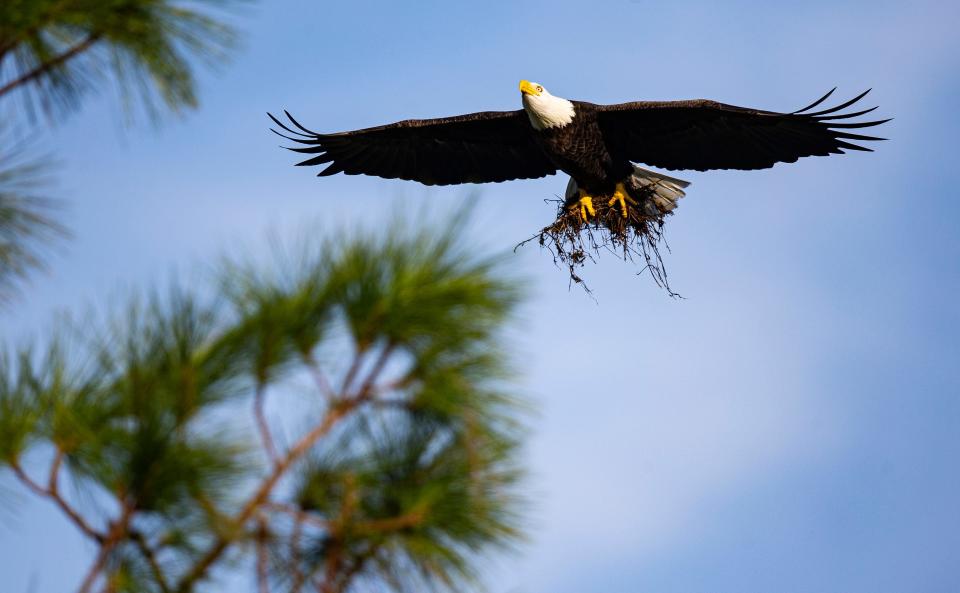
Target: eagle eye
<point x="539" y="89"/>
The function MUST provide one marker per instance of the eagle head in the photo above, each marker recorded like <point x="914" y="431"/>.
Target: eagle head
<point x="543" y="109"/>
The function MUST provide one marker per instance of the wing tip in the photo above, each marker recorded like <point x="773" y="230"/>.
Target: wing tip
<point x="836" y="108"/>
<point x="817" y="102"/>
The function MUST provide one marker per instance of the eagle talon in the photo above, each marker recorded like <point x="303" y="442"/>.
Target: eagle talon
<point x="586" y="207"/>
<point x="620" y="195"/>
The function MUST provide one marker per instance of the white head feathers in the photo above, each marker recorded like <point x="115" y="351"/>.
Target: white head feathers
<point x="543" y="109"/>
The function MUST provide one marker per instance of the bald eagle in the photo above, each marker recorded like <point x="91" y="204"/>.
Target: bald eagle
<point x="596" y="145"/>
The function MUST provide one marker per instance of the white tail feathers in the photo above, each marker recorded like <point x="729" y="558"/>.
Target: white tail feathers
<point x="666" y="190"/>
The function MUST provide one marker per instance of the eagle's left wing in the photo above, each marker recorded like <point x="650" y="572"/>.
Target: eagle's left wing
<point x="490" y="146"/>
<point x="704" y="134"/>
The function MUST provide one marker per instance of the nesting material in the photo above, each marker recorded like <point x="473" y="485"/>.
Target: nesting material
<point x="636" y="237"/>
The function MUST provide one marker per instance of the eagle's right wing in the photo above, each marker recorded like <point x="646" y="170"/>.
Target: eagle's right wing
<point x="704" y="134"/>
<point x="482" y="147"/>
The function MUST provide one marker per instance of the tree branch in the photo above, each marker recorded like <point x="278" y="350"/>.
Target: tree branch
<point x="263" y="492"/>
<point x="334" y="554"/>
<point x="318" y="376"/>
<point x="53" y="494"/>
<point x="23" y="477"/>
<point x="118" y="531"/>
<point x="262" y="426"/>
<point x="300" y="515"/>
<point x="93" y="572"/>
<point x="365" y="388"/>
<point x="341" y="408"/>
<point x="50" y="64"/>
<point x="151" y="557"/>
<point x="392" y="524"/>
<point x="354" y="569"/>
<point x="333" y="561"/>
<point x="263" y="583"/>
<point x="298" y="576"/>
<point x="45" y="17"/>
<point x="54" y="478"/>
<point x="352" y="371"/>
<point x="376" y="391"/>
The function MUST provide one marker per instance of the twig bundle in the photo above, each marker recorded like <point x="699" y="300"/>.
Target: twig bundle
<point x="573" y="241"/>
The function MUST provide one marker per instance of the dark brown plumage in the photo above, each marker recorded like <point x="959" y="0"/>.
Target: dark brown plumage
<point x="491" y="146"/>
<point x="704" y="134"/>
<point x="596" y="148"/>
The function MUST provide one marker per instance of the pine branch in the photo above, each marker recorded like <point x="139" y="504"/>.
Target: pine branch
<point x="118" y="531"/>
<point x="263" y="493"/>
<point x="392" y="524"/>
<point x="323" y="384"/>
<point x="333" y="561"/>
<point x="53" y="494"/>
<point x="263" y="583"/>
<point x="352" y="371"/>
<point x="50" y="64"/>
<point x="45" y="18"/>
<point x="402" y="494"/>
<point x="299" y="515"/>
<point x="298" y="576"/>
<point x="262" y="426"/>
<point x="151" y="557"/>
<point x="335" y="556"/>
<point x="354" y="570"/>
<point x="365" y="389"/>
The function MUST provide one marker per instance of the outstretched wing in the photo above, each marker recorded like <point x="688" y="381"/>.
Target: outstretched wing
<point x="704" y="134"/>
<point x="483" y="147"/>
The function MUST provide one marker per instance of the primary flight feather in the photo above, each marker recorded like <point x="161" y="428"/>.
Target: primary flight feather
<point x="596" y="145"/>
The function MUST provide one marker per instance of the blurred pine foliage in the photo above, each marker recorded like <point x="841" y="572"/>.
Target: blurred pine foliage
<point x="399" y="468"/>
<point x="54" y="53"/>
<point x="28" y="221"/>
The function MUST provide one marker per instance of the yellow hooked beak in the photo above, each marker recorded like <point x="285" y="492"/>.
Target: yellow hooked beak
<point x="528" y="88"/>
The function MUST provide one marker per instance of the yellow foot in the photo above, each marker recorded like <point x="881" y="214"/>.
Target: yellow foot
<point x="586" y="207"/>
<point x="620" y="195"/>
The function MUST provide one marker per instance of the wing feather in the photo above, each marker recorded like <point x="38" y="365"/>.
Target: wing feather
<point x="705" y="135"/>
<point x="474" y="148"/>
<point x="817" y="102"/>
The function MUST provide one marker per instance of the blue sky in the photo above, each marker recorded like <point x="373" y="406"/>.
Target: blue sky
<point x="790" y="426"/>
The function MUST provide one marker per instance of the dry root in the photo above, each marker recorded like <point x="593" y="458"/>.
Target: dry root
<point x="637" y="237"/>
